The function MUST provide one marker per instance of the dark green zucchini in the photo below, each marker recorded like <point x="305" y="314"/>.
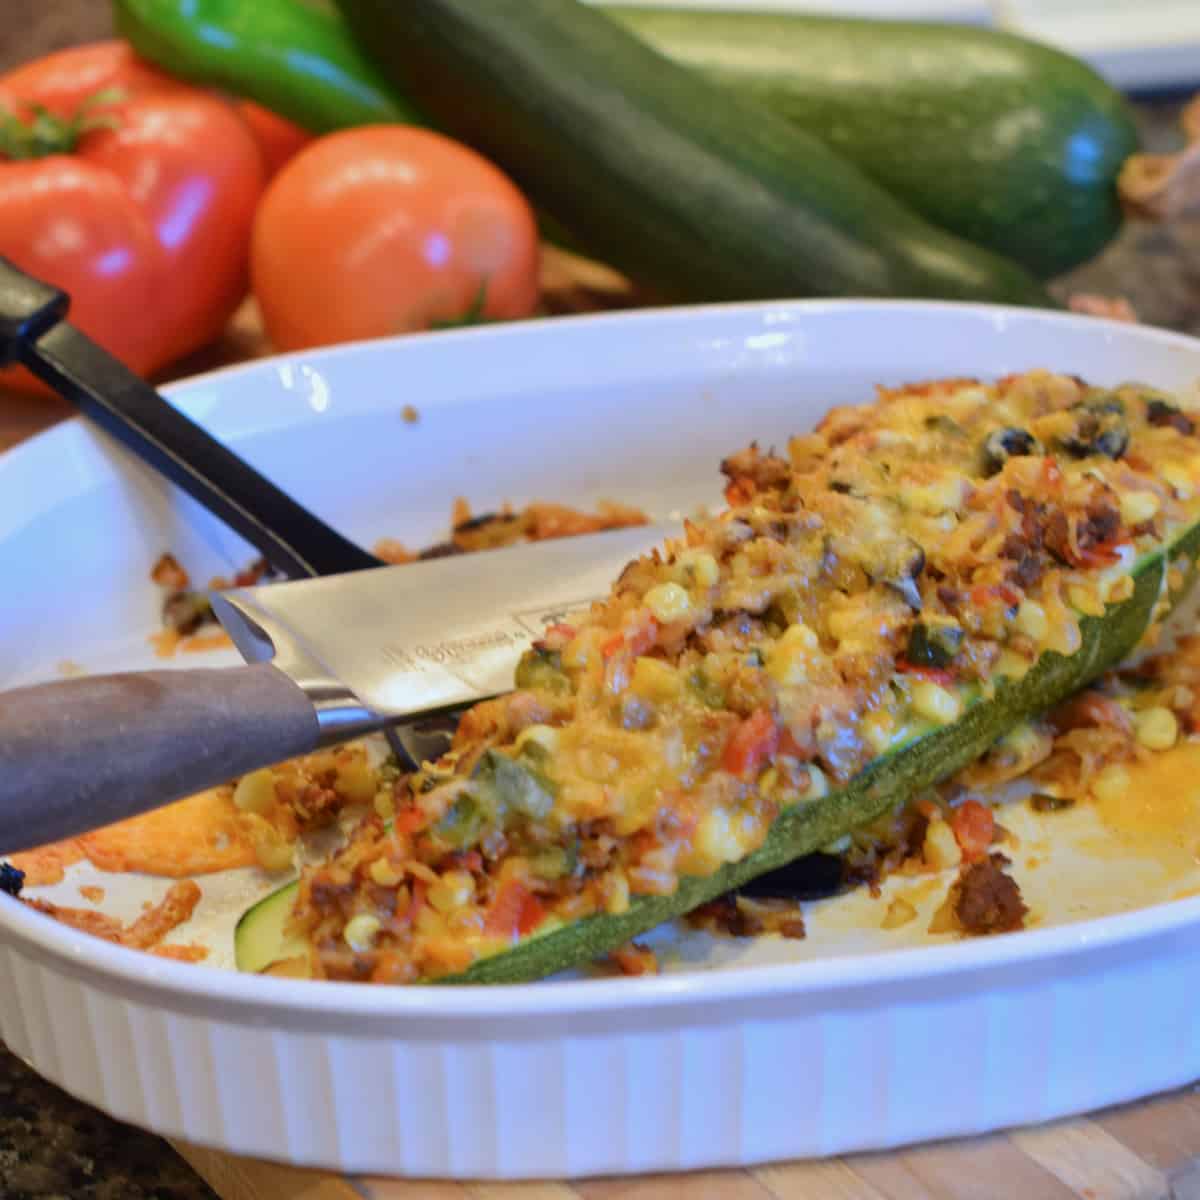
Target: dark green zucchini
<point x="1002" y="141"/>
<point x="691" y="188"/>
<point x="809" y="826"/>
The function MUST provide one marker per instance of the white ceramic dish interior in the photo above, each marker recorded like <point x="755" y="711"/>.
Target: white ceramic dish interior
<point x="841" y="1042"/>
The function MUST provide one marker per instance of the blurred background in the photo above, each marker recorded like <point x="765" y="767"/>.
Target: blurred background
<point x="33" y="27"/>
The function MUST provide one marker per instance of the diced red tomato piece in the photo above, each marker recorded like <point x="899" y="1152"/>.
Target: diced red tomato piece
<point x="417" y="900"/>
<point x="751" y="744"/>
<point x="636" y="639"/>
<point x="635" y="960"/>
<point x="974" y="827"/>
<point x="408" y="820"/>
<point x="643" y="638"/>
<point x="790" y="746"/>
<point x="515" y="912"/>
<point x="933" y="674"/>
<point x="1103" y="554"/>
<point x="614" y="645"/>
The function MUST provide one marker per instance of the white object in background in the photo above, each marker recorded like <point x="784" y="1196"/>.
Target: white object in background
<point x="1144" y="45"/>
<point x="976" y="12"/>
<point x="757" y="1055"/>
<point x="1155" y="44"/>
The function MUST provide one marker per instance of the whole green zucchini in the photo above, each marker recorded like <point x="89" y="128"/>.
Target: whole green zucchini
<point x="1002" y="141"/>
<point x="261" y="938"/>
<point x="690" y="188"/>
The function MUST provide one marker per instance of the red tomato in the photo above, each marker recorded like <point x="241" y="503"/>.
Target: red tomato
<point x="139" y="204"/>
<point x="751" y="744"/>
<point x="933" y="674"/>
<point x="973" y="827"/>
<point x="515" y="912"/>
<point x="388" y="229"/>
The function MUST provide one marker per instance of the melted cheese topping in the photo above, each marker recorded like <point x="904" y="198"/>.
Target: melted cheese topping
<point x="864" y="590"/>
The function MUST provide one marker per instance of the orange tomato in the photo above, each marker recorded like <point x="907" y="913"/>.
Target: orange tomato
<point x="389" y="229"/>
<point x="138" y="201"/>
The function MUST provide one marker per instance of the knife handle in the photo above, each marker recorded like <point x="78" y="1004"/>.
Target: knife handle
<point x="81" y="753"/>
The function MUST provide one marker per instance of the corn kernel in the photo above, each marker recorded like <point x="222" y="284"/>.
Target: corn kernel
<point x="355" y="781"/>
<point x="934" y="702"/>
<point x="1085" y="600"/>
<point x="818" y="784"/>
<point x="544" y="736"/>
<point x="1065" y="637"/>
<point x="1032" y="620"/>
<point x="1179" y="480"/>
<point x="1137" y="507"/>
<point x="877" y="730"/>
<point x="271" y="849"/>
<point x="789" y="659"/>
<point x="361" y="931"/>
<point x="383" y="873"/>
<point x="1011" y="665"/>
<point x="584" y="648"/>
<point x="255" y="793"/>
<point x="940" y="849"/>
<point x="453" y="890"/>
<point x="1119" y="589"/>
<point x="616" y="898"/>
<point x="1157" y="728"/>
<point x="654" y="680"/>
<point x="843" y="623"/>
<point x="1111" y="783"/>
<point x="668" y="602"/>
<point x="717" y="839"/>
<point x="699" y="568"/>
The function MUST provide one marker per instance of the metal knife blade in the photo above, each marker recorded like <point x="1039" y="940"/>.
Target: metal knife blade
<point x="430" y="635"/>
<point x="328" y="659"/>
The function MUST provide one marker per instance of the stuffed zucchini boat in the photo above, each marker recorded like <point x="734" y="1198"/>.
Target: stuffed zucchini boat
<point x="914" y="579"/>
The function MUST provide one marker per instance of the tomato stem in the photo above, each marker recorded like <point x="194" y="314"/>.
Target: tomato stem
<point x="473" y="315"/>
<point x="42" y="134"/>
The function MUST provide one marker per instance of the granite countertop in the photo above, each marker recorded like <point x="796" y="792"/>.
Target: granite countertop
<point x="54" y="1148"/>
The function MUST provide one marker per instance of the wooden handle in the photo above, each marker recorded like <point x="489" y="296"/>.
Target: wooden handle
<point x="86" y="752"/>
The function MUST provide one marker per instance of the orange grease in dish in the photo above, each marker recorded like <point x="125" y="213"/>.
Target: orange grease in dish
<point x="196" y="836"/>
<point x="46" y="865"/>
<point x="1158" y="815"/>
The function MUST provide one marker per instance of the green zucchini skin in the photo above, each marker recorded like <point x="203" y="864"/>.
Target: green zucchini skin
<point x="1004" y="142"/>
<point x="807" y="827"/>
<point x="697" y="192"/>
<point x="260" y="936"/>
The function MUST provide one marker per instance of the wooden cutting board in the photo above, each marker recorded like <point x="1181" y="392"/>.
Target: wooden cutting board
<point x="1144" y="1151"/>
